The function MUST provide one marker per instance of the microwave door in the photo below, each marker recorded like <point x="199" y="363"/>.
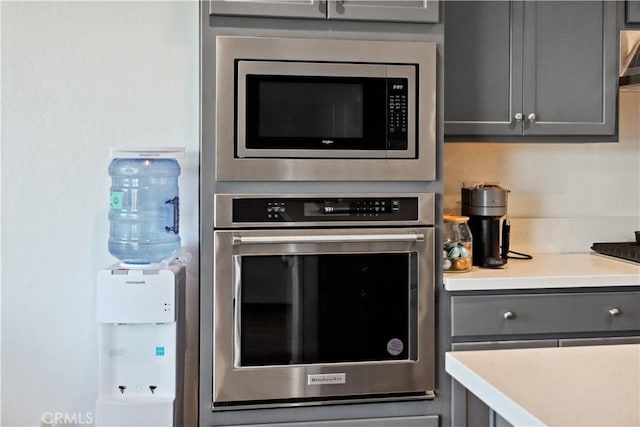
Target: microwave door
<point x="318" y="110"/>
<point x="302" y="117"/>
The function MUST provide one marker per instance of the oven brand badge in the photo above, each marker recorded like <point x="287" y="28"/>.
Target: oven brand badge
<point x="322" y="379"/>
<point x="327" y="141"/>
<point x="395" y="346"/>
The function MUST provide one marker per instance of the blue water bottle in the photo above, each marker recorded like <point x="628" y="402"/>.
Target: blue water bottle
<point x="144" y="216"/>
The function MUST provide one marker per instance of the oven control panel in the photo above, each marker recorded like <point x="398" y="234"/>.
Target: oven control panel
<point x="324" y="210"/>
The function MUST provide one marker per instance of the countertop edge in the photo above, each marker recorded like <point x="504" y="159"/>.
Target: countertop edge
<point x="559" y="282"/>
<point x="548" y="271"/>
<point x="494" y="398"/>
<point x="563" y="386"/>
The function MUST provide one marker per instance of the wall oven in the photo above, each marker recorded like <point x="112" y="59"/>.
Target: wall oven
<point x="318" y="109"/>
<point x="323" y="298"/>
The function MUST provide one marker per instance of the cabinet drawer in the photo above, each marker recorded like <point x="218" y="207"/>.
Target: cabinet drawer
<point x="418" y="421"/>
<point x="548" y="313"/>
<point x="575" y="342"/>
<point x="502" y="345"/>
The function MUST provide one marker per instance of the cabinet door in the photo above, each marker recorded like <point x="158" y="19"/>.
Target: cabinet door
<point x="381" y="10"/>
<point x="633" y="11"/>
<point x="466" y="409"/>
<point x="570" y="57"/>
<point x="272" y="8"/>
<point x="483" y="67"/>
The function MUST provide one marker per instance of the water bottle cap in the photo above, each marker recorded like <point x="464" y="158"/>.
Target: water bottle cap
<point x="147" y="153"/>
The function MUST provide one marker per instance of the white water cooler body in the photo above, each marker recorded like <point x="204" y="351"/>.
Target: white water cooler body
<point x="141" y="316"/>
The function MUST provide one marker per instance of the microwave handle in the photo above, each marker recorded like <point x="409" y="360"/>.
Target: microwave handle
<point x="333" y="238"/>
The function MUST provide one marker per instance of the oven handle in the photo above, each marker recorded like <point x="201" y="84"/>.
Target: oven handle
<point x="334" y="238"/>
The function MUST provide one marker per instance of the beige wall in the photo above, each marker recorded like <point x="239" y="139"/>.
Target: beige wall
<point x="594" y="186"/>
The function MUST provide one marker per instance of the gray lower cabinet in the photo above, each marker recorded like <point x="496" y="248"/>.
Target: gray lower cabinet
<point x="575" y="342"/>
<point x="526" y="320"/>
<point x="355" y="10"/>
<point x="530" y="69"/>
<point x="554" y="313"/>
<point x="633" y="11"/>
<point x="419" y="421"/>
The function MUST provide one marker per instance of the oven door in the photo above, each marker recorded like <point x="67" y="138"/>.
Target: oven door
<point x="308" y="316"/>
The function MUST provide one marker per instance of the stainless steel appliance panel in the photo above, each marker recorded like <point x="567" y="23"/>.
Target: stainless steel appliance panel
<point x="425" y="211"/>
<point x="415" y="164"/>
<point x="323" y="298"/>
<point x="246" y="68"/>
<point x="297" y="383"/>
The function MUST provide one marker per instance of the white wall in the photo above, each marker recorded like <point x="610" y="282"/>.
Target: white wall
<point x="565" y="196"/>
<point x="77" y="78"/>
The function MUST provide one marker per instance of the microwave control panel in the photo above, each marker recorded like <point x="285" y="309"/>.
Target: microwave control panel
<point x="397" y="113"/>
<point x="287" y="209"/>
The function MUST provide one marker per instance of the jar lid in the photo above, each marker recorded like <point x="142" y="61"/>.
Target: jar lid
<point x="455" y="218"/>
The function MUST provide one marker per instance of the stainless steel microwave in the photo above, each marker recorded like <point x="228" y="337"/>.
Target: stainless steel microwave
<point x="324" y="109"/>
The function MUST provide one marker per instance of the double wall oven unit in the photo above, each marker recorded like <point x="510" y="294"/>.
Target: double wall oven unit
<point x="323" y="298"/>
<point x="324" y="109"/>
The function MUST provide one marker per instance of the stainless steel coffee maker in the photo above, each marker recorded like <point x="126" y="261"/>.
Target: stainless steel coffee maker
<point x="485" y="205"/>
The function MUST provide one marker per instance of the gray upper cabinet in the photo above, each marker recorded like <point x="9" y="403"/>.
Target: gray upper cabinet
<point x="633" y="11"/>
<point x="483" y="67"/>
<point x="425" y="11"/>
<point x="530" y="69"/>
<point x="389" y="11"/>
<point x="270" y="8"/>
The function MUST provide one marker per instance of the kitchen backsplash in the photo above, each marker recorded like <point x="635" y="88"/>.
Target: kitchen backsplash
<point x="552" y="235"/>
<point x="563" y="197"/>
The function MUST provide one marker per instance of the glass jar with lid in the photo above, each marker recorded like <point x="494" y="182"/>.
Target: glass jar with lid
<point x="456" y="244"/>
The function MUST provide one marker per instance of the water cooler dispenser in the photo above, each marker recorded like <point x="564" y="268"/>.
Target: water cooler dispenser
<point x="141" y="316"/>
<point x="140" y="302"/>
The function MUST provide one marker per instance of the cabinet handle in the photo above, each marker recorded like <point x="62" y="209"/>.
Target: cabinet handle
<point x="614" y="312"/>
<point x="532" y="117"/>
<point x="518" y="116"/>
<point x="509" y="315"/>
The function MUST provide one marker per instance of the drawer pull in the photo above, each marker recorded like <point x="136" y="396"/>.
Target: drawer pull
<point x="509" y="315"/>
<point x="614" y="312"/>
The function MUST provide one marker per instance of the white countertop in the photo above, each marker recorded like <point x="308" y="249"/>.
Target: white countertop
<point x="562" y="270"/>
<point x="563" y="386"/>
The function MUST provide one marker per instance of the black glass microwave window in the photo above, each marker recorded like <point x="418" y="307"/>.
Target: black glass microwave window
<point x="309" y="112"/>
<point x="305" y="109"/>
<point x="303" y="309"/>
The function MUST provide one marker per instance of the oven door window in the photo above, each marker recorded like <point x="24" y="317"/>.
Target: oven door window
<point x="306" y="112"/>
<point x="327" y="308"/>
